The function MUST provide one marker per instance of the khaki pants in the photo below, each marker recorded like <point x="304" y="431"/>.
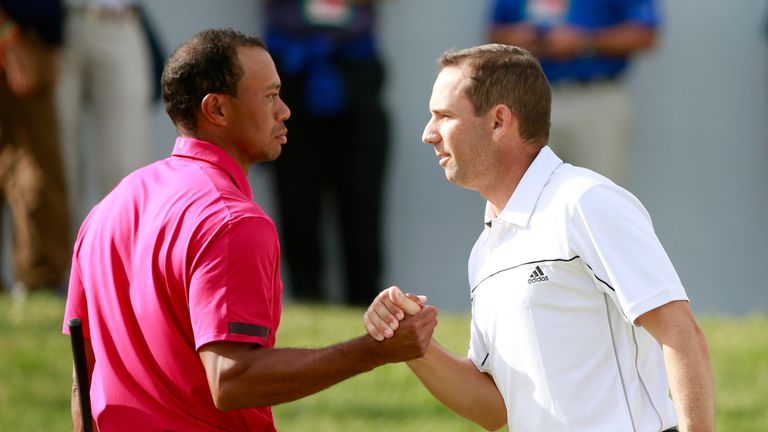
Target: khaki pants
<point x="32" y="184"/>
<point x="106" y="72"/>
<point x="591" y="127"/>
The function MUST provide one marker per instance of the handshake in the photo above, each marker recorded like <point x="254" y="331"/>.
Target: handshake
<point x="402" y="323"/>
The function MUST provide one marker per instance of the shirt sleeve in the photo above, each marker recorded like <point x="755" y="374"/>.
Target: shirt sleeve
<point x="235" y="284"/>
<point x="478" y="352"/>
<point x="642" y="11"/>
<point x="506" y="11"/>
<point x="77" y="305"/>
<point x="612" y="232"/>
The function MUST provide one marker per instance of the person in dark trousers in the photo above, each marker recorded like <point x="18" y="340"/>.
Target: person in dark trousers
<point x="333" y="75"/>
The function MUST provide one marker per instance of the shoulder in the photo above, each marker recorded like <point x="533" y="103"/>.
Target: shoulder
<point x="571" y="183"/>
<point x="239" y="220"/>
<point x="251" y="232"/>
<point x="584" y="191"/>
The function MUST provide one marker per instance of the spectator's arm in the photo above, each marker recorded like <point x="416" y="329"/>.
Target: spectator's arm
<point x="566" y="42"/>
<point x="519" y="34"/>
<point x="9" y="30"/>
<point x="623" y="40"/>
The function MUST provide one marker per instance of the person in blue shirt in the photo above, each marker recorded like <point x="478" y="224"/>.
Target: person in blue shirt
<point x="585" y="48"/>
<point x="333" y="75"/>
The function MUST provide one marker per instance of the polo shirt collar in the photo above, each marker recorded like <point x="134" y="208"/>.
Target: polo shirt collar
<point x="192" y="148"/>
<point x="520" y="206"/>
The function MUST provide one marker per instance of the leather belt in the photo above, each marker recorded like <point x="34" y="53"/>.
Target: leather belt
<point x="103" y="13"/>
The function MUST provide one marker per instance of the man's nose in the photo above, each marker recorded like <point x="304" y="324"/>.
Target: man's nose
<point x="430" y="135"/>
<point x="284" y="112"/>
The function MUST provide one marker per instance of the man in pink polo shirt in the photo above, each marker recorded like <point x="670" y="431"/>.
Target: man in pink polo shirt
<point x="176" y="273"/>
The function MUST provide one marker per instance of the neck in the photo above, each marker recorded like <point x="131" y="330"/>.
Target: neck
<point x="503" y="186"/>
<point x="500" y="197"/>
<point x="215" y="138"/>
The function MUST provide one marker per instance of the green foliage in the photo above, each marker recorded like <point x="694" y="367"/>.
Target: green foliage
<point x="35" y="373"/>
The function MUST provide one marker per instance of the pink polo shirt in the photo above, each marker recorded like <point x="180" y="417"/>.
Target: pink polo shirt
<point x="176" y="256"/>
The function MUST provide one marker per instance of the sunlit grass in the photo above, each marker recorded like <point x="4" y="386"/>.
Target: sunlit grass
<point x="35" y="373"/>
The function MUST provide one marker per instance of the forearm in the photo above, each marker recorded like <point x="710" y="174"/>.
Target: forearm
<point x="455" y="382"/>
<point x="522" y="35"/>
<point x="622" y="40"/>
<point x="9" y="31"/>
<point x="267" y="376"/>
<point x="686" y="358"/>
<point x="690" y="379"/>
<point x="244" y="375"/>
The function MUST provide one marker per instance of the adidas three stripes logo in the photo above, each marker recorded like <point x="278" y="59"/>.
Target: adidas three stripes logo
<point x="537" y="276"/>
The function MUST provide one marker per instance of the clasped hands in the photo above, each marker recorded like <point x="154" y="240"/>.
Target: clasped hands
<point x="395" y="315"/>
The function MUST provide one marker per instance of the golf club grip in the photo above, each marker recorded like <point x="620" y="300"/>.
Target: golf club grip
<point x="81" y="370"/>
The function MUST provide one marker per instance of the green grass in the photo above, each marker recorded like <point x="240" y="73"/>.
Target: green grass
<point x="389" y="398"/>
<point x="35" y="374"/>
<point x="739" y="351"/>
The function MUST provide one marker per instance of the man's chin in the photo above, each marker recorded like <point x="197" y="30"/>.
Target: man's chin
<point x="271" y="156"/>
<point x="453" y="177"/>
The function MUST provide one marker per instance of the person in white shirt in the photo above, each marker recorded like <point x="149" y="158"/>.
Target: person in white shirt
<point x="579" y="321"/>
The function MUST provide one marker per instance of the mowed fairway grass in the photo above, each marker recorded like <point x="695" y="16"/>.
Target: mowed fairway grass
<point x="35" y="373"/>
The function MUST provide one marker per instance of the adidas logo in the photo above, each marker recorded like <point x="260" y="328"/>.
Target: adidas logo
<point x="537" y="276"/>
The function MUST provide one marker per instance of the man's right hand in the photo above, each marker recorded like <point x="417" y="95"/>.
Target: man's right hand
<point x="412" y="338"/>
<point x="242" y="375"/>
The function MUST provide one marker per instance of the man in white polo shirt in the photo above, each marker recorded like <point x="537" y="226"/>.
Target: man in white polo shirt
<point x="579" y="321"/>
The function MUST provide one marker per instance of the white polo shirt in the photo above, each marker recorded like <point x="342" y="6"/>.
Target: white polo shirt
<point x="557" y="280"/>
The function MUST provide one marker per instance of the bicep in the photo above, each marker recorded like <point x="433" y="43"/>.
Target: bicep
<point x="223" y="358"/>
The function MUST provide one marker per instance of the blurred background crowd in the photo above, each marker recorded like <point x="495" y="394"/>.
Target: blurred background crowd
<point x="667" y="98"/>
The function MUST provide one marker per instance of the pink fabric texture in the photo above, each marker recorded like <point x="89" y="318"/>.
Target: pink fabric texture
<point x="176" y="256"/>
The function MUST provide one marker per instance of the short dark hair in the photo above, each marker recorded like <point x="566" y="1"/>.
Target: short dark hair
<point x="509" y="75"/>
<point x="206" y="63"/>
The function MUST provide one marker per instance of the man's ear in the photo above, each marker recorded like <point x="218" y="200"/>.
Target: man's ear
<point x="502" y="119"/>
<point x="214" y="109"/>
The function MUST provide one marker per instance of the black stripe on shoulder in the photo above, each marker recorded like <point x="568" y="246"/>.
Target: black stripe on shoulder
<point x="248" y="329"/>
<point x="598" y="278"/>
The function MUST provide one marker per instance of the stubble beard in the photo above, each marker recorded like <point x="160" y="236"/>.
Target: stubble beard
<point x="456" y="176"/>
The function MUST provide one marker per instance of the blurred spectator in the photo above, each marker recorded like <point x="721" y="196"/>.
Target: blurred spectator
<point x="31" y="171"/>
<point x="338" y="140"/>
<point x="584" y="48"/>
<point x="107" y="68"/>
